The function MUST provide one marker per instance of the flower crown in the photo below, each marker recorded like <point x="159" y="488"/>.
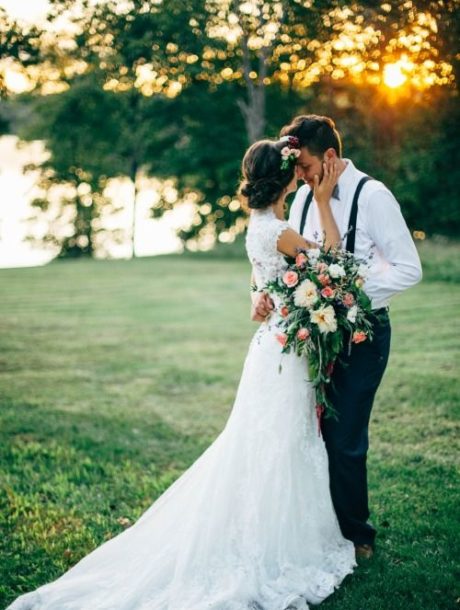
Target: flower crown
<point x="290" y="152"/>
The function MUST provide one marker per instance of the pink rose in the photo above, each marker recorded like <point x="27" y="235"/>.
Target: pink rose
<point x="284" y="311"/>
<point x="300" y="260"/>
<point x="324" y="279"/>
<point x="286" y="151"/>
<point x="322" y="267"/>
<point x="348" y="299"/>
<point x="327" y="292"/>
<point x="302" y="334"/>
<point x="290" y="278"/>
<point x="359" y="336"/>
<point x="282" y="339"/>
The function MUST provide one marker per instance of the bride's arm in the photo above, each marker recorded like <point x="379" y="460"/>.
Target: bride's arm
<point x="322" y="192"/>
<point x="261" y="304"/>
<point x="290" y="242"/>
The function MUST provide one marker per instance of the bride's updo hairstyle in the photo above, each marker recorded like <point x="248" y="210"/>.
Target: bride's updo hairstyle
<point x="265" y="174"/>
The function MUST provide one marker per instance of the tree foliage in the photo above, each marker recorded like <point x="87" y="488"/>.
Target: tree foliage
<point x="80" y="130"/>
<point x="178" y="89"/>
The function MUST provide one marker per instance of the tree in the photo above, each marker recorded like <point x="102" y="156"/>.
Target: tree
<point x="427" y="181"/>
<point x="128" y="50"/>
<point x="195" y="81"/>
<point x="16" y="43"/>
<point x="179" y="51"/>
<point x="20" y="45"/>
<point x="79" y="128"/>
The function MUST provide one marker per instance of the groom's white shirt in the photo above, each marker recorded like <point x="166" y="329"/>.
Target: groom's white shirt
<point x="381" y="232"/>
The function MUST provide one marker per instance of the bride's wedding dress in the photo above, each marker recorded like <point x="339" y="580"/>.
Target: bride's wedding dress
<point x="250" y="525"/>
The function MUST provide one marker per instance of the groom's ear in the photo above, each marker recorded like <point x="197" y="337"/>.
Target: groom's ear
<point x="330" y="154"/>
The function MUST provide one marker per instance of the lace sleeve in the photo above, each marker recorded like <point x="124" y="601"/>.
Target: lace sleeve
<point x="261" y="244"/>
<point x="263" y="235"/>
<point x="274" y="233"/>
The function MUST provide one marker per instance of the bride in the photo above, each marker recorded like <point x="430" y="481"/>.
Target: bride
<point x="250" y="525"/>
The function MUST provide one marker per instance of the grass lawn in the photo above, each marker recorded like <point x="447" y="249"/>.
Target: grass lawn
<point x="115" y="375"/>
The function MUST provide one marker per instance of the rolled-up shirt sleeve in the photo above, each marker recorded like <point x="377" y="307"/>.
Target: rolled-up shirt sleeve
<point x="397" y="265"/>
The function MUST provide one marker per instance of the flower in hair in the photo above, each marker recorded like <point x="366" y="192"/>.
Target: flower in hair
<point x="290" y="152"/>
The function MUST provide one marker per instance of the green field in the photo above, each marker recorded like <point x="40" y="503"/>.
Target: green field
<point x="115" y="375"/>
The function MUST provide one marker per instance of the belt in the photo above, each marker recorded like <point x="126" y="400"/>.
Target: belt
<point x="381" y="310"/>
<point x="380" y="316"/>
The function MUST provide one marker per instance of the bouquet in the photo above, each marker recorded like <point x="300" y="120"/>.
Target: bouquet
<point x="323" y="307"/>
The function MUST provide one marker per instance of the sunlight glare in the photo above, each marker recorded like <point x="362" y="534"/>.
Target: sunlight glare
<point x="16" y="81"/>
<point x="393" y="75"/>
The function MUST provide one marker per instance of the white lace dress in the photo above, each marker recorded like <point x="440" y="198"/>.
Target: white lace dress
<point x="250" y="525"/>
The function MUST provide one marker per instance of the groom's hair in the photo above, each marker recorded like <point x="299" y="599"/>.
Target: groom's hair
<point x="315" y="132"/>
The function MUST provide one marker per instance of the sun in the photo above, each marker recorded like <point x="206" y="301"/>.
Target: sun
<point x="393" y="75"/>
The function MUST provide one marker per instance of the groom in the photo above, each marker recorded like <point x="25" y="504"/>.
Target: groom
<point x="369" y="217"/>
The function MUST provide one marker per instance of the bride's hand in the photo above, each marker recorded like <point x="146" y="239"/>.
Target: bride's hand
<point x="323" y="190"/>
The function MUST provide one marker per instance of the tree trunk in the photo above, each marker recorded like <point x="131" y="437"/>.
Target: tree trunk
<point x="254" y="107"/>
<point x="253" y="111"/>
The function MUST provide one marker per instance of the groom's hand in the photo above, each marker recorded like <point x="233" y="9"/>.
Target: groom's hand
<point x="262" y="306"/>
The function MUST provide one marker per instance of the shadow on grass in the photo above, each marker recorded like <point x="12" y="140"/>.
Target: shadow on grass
<point x="71" y="481"/>
<point x="104" y="438"/>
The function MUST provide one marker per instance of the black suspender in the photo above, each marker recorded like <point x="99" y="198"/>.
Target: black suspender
<point x="351" y="234"/>
<point x="306" y="205"/>
<point x="354" y="215"/>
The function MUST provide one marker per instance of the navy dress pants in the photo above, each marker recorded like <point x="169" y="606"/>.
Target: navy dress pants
<point x="356" y="378"/>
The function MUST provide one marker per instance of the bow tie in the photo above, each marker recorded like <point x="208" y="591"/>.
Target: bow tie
<point x="336" y="192"/>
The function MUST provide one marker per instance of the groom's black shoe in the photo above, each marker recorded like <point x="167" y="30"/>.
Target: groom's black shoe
<point x="364" y="551"/>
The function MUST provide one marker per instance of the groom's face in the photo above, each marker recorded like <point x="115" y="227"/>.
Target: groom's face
<point x="308" y="165"/>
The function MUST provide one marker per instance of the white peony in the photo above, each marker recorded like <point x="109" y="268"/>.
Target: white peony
<point x="351" y="314"/>
<point x="336" y="270"/>
<point x="325" y="318"/>
<point x="313" y="254"/>
<point x="306" y="294"/>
